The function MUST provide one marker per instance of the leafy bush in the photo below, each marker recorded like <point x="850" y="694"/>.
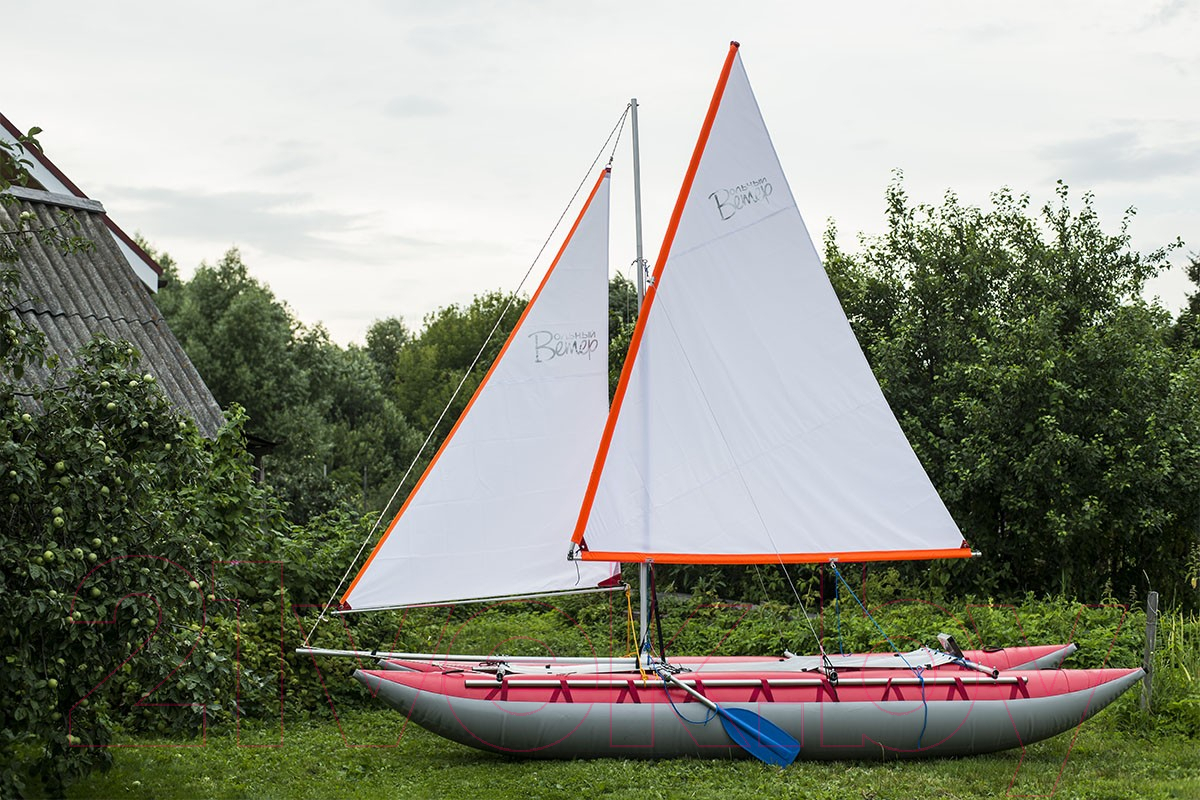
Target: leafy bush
<point x="1042" y="393"/>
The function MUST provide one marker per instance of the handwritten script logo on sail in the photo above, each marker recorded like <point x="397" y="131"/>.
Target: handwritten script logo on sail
<point x="733" y="199"/>
<point x="548" y="345"/>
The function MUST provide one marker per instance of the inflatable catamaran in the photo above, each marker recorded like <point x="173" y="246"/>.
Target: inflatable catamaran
<point x="720" y="447"/>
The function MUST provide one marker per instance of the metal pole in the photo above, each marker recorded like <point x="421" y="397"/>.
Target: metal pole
<point x="637" y="201"/>
<point x="643" y="570"/>
<point x="607" y="664"/>
<point x="643" y="602"/>
<point x="1148" y="658"/>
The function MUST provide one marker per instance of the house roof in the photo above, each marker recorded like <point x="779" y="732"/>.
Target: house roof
<point x="73" y="297"/>
<point x="54" y="181"/>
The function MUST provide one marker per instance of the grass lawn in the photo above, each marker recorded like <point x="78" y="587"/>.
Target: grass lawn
<point x="371" y="754"/>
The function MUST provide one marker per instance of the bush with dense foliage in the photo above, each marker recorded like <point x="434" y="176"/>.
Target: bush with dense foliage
<point x="339" y="438"/>
<point x="1042" y="393"/>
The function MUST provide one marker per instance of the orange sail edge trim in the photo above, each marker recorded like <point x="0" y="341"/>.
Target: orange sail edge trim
<point x="604" y="175"/>
<point x="853" y="556"/>
<point x="639" y="328"/>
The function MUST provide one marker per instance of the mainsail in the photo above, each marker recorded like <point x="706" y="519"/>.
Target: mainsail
<point x="747" y="426"/>
<point x="490" y="516"/>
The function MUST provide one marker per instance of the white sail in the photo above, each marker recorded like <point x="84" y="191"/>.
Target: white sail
<point x="492" y="513"/>
<point x="748" y="427"/>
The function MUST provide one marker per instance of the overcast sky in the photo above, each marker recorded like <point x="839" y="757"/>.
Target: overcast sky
<point x="375" y="159"/>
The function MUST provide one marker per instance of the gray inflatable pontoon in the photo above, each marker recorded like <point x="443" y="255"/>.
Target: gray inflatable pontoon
<point x="880" y="714"/>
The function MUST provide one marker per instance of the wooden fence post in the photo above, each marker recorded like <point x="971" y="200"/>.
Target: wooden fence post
<point x="1148" y="658"/>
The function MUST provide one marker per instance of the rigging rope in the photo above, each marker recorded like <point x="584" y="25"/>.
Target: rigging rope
<point x="615" y="132"/>
<point x="620" y="128"/>
<point x="803" y="611"/>
<point x="879" y="628"/>
<point x="630" y="634"/>
<point x="766" y="597"/>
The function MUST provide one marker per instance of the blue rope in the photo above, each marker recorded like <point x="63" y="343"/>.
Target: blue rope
<point x="924" y="705"/>
<point x="915" y="670"/>
<point x="891" y="644"/>
<point x="709" y="716"/>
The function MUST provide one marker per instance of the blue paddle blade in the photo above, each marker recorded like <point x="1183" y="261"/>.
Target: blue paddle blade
<point x="759" y="737"/>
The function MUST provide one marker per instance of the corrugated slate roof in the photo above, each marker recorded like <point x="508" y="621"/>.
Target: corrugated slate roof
<point x="72" y="297"/>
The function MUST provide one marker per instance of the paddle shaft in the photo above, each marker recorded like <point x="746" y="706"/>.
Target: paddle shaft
<point x="675" y="681"/>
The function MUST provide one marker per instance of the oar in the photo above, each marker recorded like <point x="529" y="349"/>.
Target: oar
<point x="759" y="737"/>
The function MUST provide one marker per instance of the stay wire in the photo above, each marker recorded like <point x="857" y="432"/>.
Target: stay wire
<point x="803" y="610"/>
<point x="615" y="132"/>
<point x="620" y="128"/>
<point x="766" y="596"/>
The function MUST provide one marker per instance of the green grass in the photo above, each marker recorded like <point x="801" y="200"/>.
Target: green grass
<point x="372" y="754"/>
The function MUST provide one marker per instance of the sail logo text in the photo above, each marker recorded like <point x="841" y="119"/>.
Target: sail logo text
<point x="735" y="198"/>
<point x="548" y="346"/>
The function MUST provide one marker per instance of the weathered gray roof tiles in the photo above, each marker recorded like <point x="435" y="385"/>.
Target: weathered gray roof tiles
<point x="72" y="297"/>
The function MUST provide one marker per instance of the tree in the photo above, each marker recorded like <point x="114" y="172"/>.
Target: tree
<point x="454" y="340"/>
<point x="385" y="339"/>
<point x="323" y="405"/>
<point x="14" y="165"/>
<point x="367" y="440"/>
<point x="1037" y="387"/>
<point x="1187" y="327"/>
<point x="241" y="340"/>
